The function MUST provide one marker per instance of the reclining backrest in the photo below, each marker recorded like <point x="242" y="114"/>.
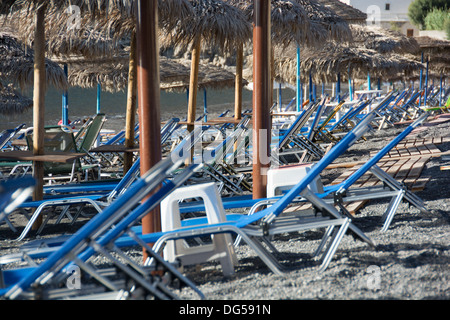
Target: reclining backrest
<point x="363" y="169"/>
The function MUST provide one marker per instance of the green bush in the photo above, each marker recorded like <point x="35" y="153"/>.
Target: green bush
<point x="436" y="18"/>
<point x="447" y="28"/>
<point x="419" y="9"/>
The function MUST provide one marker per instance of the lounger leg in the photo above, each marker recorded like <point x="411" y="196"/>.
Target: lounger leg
<point x="44" y="223"/>
<point x="324" y="207"/>
<point x="264" y="255"/>
<point x="325" y="238"/>
<point x="63" y="213"/>
<point x="30" y="223"/>
<point x="392" y="208"/>
<point x="10" y="225"/>
<point x="329" y="253"/>
<point x="395" y="185"/>
<point x="226" y="260"/>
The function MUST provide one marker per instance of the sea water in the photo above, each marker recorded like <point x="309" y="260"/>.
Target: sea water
<point x="83" y="104"/>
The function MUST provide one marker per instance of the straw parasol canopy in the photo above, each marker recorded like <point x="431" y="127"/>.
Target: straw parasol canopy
<point x="415" y="76"/>
<point x="12" y="102"/>
<point x="17" y="65"/>
<point x="210" y="77"/>
<point x="86" y="41"/>
<point x="290" y="22"/>
<point x="104" y="27"/>
<point x="350" y="14"/>
<point x="114" y="76"/>
<point x="432" y="46"/>
<point x="438" y="63"/>
<point x="325" y="64"/>
<point x="217" y="23"/>
<point x="383" y="40"/>
<point x="321" y="15"/>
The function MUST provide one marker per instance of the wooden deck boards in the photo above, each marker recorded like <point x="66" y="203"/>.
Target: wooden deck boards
<point x="405" y="163"/>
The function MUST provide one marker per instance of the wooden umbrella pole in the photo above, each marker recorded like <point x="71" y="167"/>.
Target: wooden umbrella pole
<point x="147" y="53"/>
<point x="39" y="106"/>
<point x="261" y="96"/>
<point x="193" y="89"/>
<point x="239" y="77"/>
<point x="193" y="84"/>
<point x="131" y="106"/>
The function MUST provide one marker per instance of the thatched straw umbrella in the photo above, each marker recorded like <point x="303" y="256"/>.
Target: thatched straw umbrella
<point x="319" y="25"/>
<point x="336" y="26"/>
<point x="17" y="65"/>
<point x="114" y="76"/>
<point x="383" y="40"/>
<point x="105" y="27"/>
<point x="12" y="102"/>
<point x="214" y="23"/>
<point x="430" y="46"/>
<point x="119" y="25"/>
<point x="437" y="61"/>
<point x="435" y="51"/>
<point x="325" y="64"/>
<point x="324" y="16"/>
<point x="210" y="77"/>
<point x="350" y="14"/>
<point x="102" y="32"/>
<point x="289" y="23"/>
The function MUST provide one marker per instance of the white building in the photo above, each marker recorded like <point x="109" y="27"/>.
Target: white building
<point x="390" y="14"/>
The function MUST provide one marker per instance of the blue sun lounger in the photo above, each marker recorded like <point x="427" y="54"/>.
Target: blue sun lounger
<point x="97" y="236"/>
<point x="98" y="201"/>
<point x="344" y="193"/>
<point x="12" y="193"/>
<point x="126" y="279"/>
<point x="258" y="226"/>
<point x="7" y="135"/>
<point x="335" y="194"/>
<point x="391" y="188"/>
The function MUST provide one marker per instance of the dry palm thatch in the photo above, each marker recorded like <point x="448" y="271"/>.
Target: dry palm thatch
<point x="290" y="22"/>
<point x="415" y="76"/>
<point x="406" y="63"/>
<point x="126" y="7"/>
<point x="60" y="40"/>
<point x="210" y="77"/>
<point x="12" y="102"/>
<point x="216" y="22"/>
<point x="346" y="12"/>
<point x="439" y="63"/>
<point x="383" y="40"/>
<point x="17" y="65"/>
<point x="332" y="59"/>
<point x="104" y="25"/>
<point x="432" y="46"/>
<point x="337" y="28"/>
<point x="114" y="76"/>
<point x="216" y="77"/>
<point x="117" y="18"/>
